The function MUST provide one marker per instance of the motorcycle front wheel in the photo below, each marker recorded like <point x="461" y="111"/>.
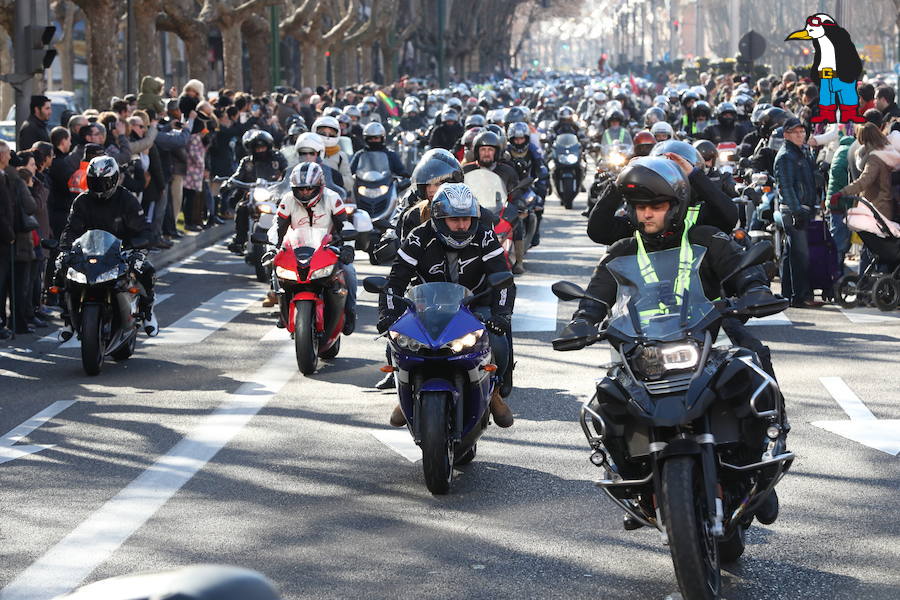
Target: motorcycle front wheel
<point x="694" y="549"/>
<point x="92" y="350"/>
<point x="437" y="447"/>
<point x="306" y="342"/>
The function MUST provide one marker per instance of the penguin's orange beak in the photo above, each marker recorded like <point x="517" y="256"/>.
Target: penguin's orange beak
<point x="799" y="35"/>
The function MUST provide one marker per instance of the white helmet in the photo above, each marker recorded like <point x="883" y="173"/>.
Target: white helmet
<point x="331" y="123"/>
<point x="664" y="128"/>
<point x="310" y="140"/>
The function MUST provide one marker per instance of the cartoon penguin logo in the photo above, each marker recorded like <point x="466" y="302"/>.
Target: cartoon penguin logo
<point x="836" y="68"/>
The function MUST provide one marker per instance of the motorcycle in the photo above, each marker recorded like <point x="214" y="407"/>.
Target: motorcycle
<point x="444" y="372"/>
<point x="566" y="156"/>
<point x="490" y="192"/>
<point x="103" y="295"/>
<point x="612" y="159"/>
<point x="306" y="273"/>
<point x="263" y="197"/>
<point x="727" y="157"/>
<point x="376" y="192"/>
<point x="409" y="147"/>
<point x="689" y="435"/>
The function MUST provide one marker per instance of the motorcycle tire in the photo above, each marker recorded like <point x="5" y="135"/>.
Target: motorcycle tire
<point x="437" y="447"/>
<point x="92" y="350"/>
<point x="695" y="552"/>
<point x="731" y="548"/>
<point x="125" y="351"/>
<point x="253" y="258"/>
<point x="846" y="291"/>
<point x="467" y="457"/>
<point x="333" y="351"/>
<point x="886" y="293"/>
<point x="567" y="202"/>
<point x="306" y="342"/>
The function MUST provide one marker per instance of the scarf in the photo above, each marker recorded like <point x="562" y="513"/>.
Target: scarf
<point x="332" y="150"/>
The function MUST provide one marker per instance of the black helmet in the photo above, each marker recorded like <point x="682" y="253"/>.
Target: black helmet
<point x="687" y="96"/>
<point x="498" y="129"/>
<point x="726" y="113"/>
<point x="701" y="107"/>
<point x="653" y="115"/>
<point x="648" y="180"/>
<point x="487" y="138"/>
<point x="772" y="119"/>
<point x="103" y="177"/>
<point x="758" y="110"/>
<point x="707" y="150"/>
<point x="615" y="115"/>
<point x="475" y="120"/>
<point x="436" y="166"/>
<point x="454" y="200"/>
<point x="257" y="138"/>
<point x="682" y="149"/>
<point x="516" y="115"/>
<point x="515" y="131"/>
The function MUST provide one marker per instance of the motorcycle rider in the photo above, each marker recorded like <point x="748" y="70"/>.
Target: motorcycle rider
<point x="330" y="131"/>
<point x="662" y="131"/>
<point x="657" y="197"/>
<point x="565" y="123"/>
<point x="701" y="113"/>
<point x="261" y="162"/>
<point x="529" y="164"/>
<point x="644" y="141"/>
<point x="448" y="132"/>
<point x="726" y="128"/>
<point x="373" y="135"/>
<point x="710" y="155"/>
<point x="311" y="203"/>
<point x="615" y="132"/>
<point x="108" y="206"/>
<point x="454" y="246"/>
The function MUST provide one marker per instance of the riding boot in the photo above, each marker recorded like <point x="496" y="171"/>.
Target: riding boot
<point x="519" y="268"/>
<point x="503" y="417"/>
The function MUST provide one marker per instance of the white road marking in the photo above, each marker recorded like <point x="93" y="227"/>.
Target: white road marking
<point x="398" y="440"/>
<point x="90" y="544"/>
<point x="863" y="427"/>
<point x="277" y="334"/>
<point x="865" y="315"/>
<point x="8" y="451"/>
<point x="207" y="318"/>
<point x="75" y="343"/>
<point x="189" y="259"/>
<point x="535" y="308"/>
<point x="779" y="319"/>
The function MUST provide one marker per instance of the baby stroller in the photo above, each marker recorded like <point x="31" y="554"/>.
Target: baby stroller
<point x="879" y="283"/>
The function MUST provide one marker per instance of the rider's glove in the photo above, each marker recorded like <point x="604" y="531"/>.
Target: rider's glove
<point x="346" y="254"/>
<point x="385" y="321"/>
<point x="498" y="324"/>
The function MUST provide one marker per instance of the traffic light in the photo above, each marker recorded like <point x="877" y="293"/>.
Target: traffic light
<point x="39" y="53"/>
<point x="675" y="24"/>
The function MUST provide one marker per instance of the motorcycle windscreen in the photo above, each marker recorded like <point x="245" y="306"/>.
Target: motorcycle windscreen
<point x="487" y="187"/>
<point x="97" y="242"/>
<point x="305" y="237"/>
<point x="373" y="166"/>
<point x="346" y="145"/>
<point x="436" y="304"/>
<point x="661" y="299"/>
<point x="567" y="143"/>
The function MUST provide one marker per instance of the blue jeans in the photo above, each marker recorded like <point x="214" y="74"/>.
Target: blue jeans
<point x="834" y="91"/>
<point x="500" y="345"/>
<point x="837" y="224"/>
<point x="350" y="278"/>
<point x="795" y="265"/>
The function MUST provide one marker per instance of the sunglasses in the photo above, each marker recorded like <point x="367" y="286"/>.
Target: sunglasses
<point x="817" y="22"/>
<point x="305" y="153"/>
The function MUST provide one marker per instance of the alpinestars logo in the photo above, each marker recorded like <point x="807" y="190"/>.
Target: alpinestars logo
<point x="486" y="241"/>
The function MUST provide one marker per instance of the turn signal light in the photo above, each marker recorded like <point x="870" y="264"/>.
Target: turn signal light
<point x="387" y="369"/>
<point x="489" y="368"/>
<point x="739" y="234"/>
<point x="133" y="290"/>
<point x="53" y="289"/>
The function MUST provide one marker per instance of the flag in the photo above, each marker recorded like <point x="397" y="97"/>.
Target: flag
<point x="389" y="103"/>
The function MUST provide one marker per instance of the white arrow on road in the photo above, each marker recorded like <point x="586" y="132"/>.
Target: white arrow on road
<point x="863" y="427"/>
<point x="8" y="451"/>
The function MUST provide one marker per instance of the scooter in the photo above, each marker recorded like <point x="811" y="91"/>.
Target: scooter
<point x="445" y="376"/>
<point x="263" y="197"/>
<point x="566" y="167"/>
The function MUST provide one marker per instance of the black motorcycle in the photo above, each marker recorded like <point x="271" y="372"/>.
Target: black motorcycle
<point x="376" y="192"/>
<point x="567" y="168"/>
<point x="690" y="436"/>
<point x="103" y="294"/>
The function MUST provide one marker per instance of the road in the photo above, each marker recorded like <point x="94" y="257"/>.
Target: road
<point x="209" y="446"/>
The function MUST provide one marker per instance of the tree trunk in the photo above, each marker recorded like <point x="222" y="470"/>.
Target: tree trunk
<point x="309" y="58"/>
<point x="181" y="19"/>
<point x="389" y="58"/>
<point x="149" y="59"/>
<point x="366" y="61"/>
<point x="339" y="67"/>
<point x="232" y="52"/>
<point x="104" y="64"/>
<point x="257" y="34"/>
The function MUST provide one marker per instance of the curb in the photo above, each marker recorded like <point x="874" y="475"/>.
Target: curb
<point x="191" y="243"/>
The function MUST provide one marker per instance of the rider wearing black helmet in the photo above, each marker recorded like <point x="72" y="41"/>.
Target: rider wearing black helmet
<point x="688" y="118"/>
<point x="726" y="128"/>
<point x="261" y="162"/>
<point x="527" y="161"/>
<point x="448" y="132"/>
<point x="763" y="158"/>
<point x="454" y="246"/>
<point x="108" y="206"/>
<point x="710" y="155"/>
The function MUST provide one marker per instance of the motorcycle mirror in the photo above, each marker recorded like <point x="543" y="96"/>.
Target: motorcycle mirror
<point x="761" y="252"/>
<point x="565" y="345"/>
<point x="349" y="235"/>
<point x="374" y="285"/>
<point x="500" y="280"/>
<point x="744" y="163"/>
<point x="385" y="253"/>
<point x="403" y="184"/>
<point x="140" y="243"/>
<point x="566" y="290"/>
<point x="49" y="244"/>
<point x="260" y="237"/>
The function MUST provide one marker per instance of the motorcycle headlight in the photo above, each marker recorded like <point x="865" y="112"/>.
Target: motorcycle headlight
<point x="265" y="208"/>
<point x="76" y="276"/>
<point x="725" y="156"/>
<point x="323" y="272"/>
<point x="616" y="159"/>
<point x="654" y="361"/>
<point x="373" y="192"/>
<point x="108" y="275"/>
<point x="404" y="341"/>
<point x="350" y="208"/>
<point x="261" y="194"/>
<point x="283" y="273"/>
<point x="568" y="159"/>
<point x="466" y="341"/>
<point x="409" y="137"/>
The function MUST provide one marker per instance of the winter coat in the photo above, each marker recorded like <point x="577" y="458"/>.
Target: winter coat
<point x="22" y="200"/>
<point x="839" y="175"/>
<point x="794" y="177"/>
<point x="151" y="94"/>
<point x="7" y="234"/>
<point x="196" y="153"/>
<point x="33" y="130"/>
<point x="874" y="184"/>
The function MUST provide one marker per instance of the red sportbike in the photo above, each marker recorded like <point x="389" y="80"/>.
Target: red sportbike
<point x="313" y="290"/>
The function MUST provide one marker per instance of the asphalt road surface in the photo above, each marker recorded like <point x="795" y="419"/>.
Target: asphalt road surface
<point x="208" y="446"/>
